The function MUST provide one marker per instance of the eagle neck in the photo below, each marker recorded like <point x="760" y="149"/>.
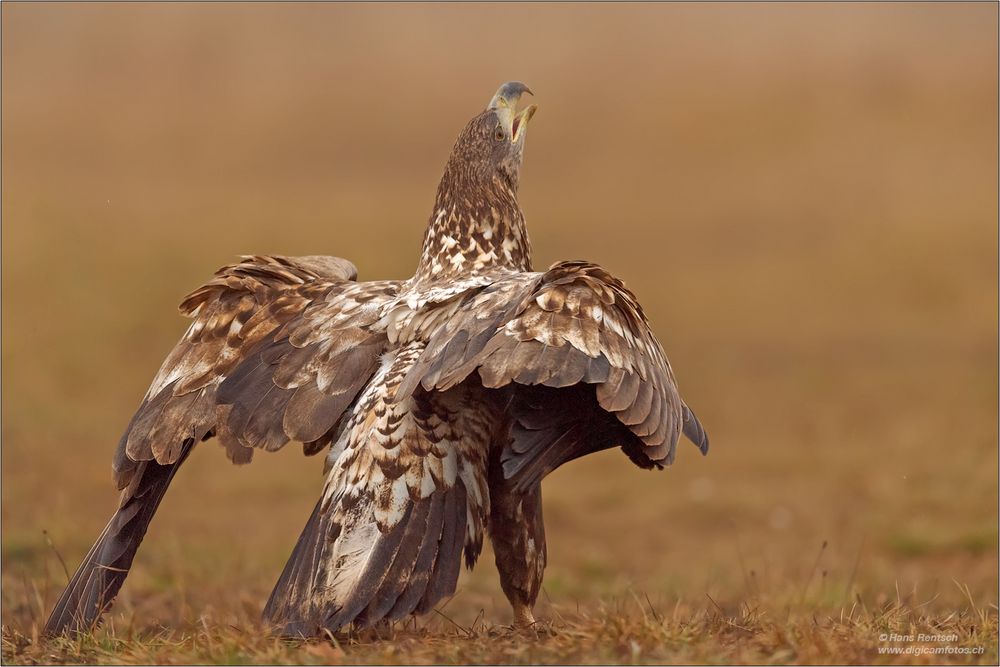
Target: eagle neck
<point x="474" y="228"/>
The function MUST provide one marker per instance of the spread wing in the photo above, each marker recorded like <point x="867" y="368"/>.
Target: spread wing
<point x="574" y="324"/>
<point x="278" y="350"/>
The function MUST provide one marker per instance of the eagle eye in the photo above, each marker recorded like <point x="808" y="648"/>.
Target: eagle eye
<point x="498" y="133"/>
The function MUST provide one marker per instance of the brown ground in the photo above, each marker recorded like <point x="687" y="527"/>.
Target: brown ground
<point x="803" y="197"/>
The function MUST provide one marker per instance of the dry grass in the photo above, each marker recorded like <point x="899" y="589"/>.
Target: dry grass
<point x="630" y="632"/>
<point x="803" y="197"/>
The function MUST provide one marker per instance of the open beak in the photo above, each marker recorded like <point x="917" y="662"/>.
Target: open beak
<point x="521" y="122"/>
<point x="505" y="105"/>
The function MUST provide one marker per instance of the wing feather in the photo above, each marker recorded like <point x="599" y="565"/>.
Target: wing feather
<point x="637" y="409"/>
<point x="575" y="323"/>
<point x="222" y="377"/>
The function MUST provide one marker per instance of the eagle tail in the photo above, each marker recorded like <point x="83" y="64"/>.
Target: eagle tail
<point x="346" y="570"/>
<point x="96" y="583"/>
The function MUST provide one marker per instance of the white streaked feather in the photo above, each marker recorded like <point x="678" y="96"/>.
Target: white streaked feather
<point x="392" y="514"/>
<point x="352" y="551"/>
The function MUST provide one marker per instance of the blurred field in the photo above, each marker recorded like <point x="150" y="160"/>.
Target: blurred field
<point x="804" y="197"/>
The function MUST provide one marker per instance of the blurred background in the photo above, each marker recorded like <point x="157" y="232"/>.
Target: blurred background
<point x="804" y="197"/>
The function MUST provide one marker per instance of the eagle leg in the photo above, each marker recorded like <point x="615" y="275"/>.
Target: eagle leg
<point x="518" y="536"/>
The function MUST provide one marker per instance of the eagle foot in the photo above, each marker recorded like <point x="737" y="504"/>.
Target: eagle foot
<point x="523" y="618"/>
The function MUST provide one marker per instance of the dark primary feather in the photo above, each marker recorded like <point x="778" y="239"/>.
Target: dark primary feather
<point x="552" y="426"/>
<point x="694" y="431"/>
<point x="98" y="579"/>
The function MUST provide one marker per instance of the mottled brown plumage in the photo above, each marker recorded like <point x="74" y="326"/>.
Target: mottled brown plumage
<point x="443" y="401"/>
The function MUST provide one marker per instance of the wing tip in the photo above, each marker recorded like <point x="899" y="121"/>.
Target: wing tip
<point x="694" y="431"/>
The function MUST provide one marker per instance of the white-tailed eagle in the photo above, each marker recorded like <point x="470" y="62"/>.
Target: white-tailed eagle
<point x="442" y="402"/>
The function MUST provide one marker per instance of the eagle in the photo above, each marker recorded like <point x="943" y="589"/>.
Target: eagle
<point x="441" y="401"/>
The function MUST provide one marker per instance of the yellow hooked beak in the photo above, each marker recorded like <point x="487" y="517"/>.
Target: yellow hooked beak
<point x="504" y="103"/>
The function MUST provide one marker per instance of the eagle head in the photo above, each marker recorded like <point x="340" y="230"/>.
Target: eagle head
<point x="490" y="147"/>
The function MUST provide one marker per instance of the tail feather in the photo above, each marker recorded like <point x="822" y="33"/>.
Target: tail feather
<point x="97" y="581"/>
<point x="353" y="573"/>
<point x="400" y="574"/>
<point x="427" y="555"/>
<point x="448" y="564"/>
<point x="294" y="588"/>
